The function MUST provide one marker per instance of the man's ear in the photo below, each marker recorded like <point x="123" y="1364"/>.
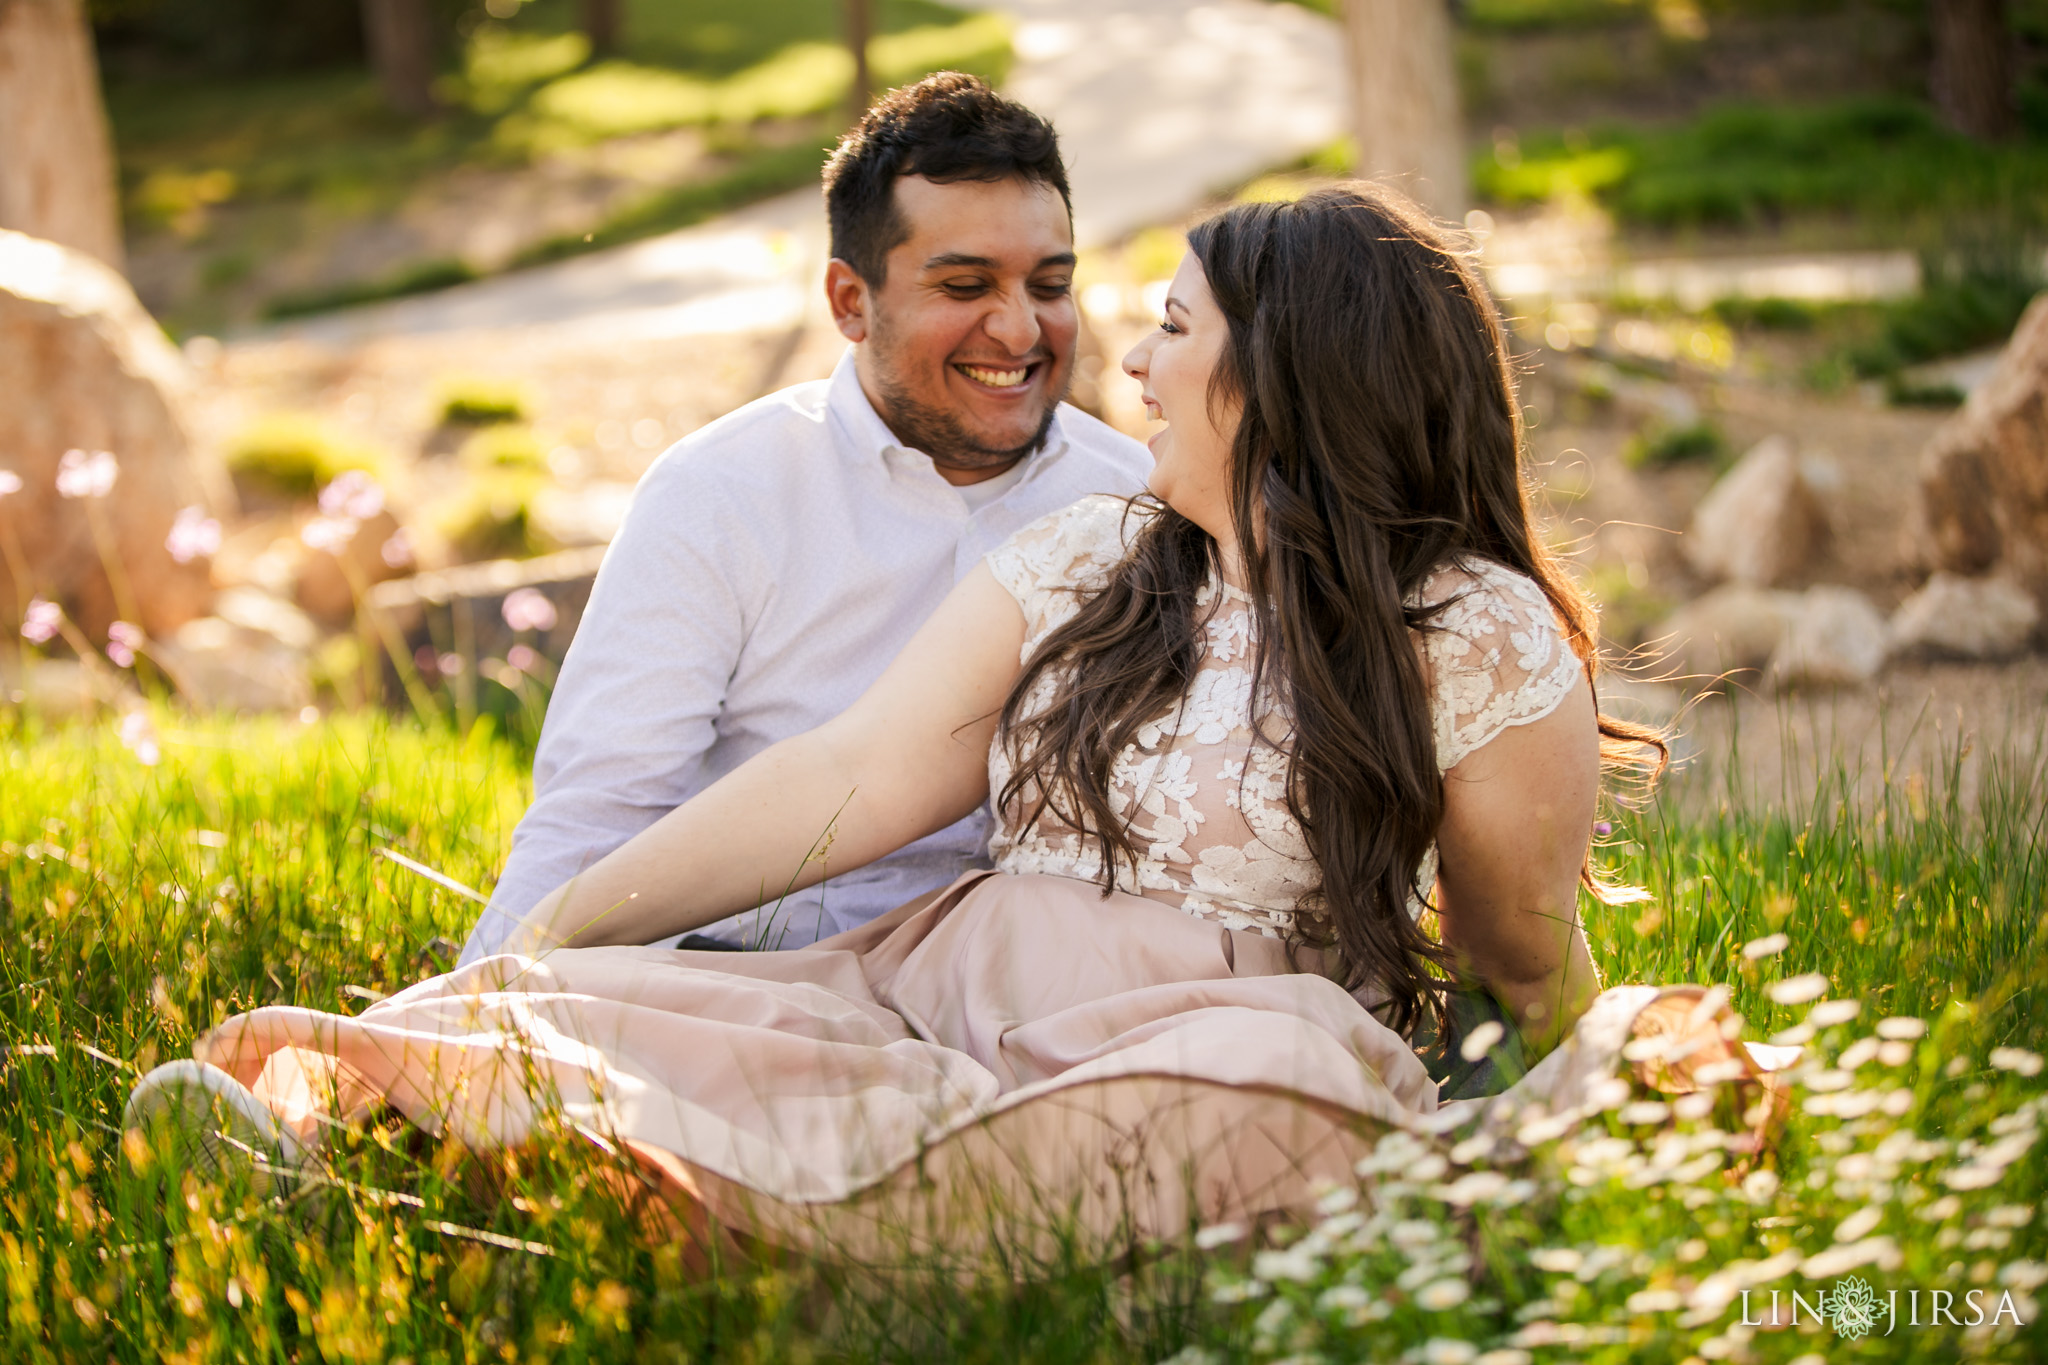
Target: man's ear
<point x="847" y="293"/>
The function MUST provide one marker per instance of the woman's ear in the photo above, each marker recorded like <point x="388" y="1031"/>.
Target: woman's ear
<point x="847" y="293"/>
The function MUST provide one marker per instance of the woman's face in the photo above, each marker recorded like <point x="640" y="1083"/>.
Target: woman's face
<point x="1174" y="366"/>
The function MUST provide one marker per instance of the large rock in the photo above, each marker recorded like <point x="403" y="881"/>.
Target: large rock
<point x="455" y="621"/>
<point x="1833" y="637"/>
<point x="84" y="367"/>
<point x="1965" y="618"/>
<point x="1760" y="525"/>
<point x="1727" y="633"/>
<point x="1984" y="476"/>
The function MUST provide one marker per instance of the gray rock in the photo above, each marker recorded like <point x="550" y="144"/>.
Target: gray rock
<point x="1724" y="634"/>
<point x="1966" y="618"/>
<point x="1984" y="476"/>
<point x="220" y="665"/>
<point x="458" y="616"/>
<point x="1759" y="525"/>
<point x="1833" y="637"/>
<point x="83" y="367"/>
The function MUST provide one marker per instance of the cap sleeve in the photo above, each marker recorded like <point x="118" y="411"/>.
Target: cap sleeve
<point x="1498" y="657"/>
<point x="1053" y="564"/>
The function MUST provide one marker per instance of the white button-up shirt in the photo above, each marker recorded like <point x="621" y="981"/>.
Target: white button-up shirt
<point x="770" y="567"/>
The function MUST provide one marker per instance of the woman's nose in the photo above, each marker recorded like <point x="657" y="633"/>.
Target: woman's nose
<point x="1139" y="358"/>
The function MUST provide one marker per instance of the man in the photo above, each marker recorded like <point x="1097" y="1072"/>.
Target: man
<point x="774" y="562"/>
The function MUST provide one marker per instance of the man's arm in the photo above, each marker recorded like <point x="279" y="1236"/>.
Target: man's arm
<point x="633" y="711"/>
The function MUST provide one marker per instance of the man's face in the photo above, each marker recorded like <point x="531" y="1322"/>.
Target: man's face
<point x="968" y="342"/>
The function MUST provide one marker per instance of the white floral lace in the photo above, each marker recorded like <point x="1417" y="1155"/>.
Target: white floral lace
<point x="1208" y="805"/>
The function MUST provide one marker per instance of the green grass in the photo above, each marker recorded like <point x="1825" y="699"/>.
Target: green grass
<point x="1882" y="159"/>
<point x="140" y="905"/>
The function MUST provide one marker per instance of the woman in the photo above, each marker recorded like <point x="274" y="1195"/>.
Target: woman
<point x="1237" y="738"/>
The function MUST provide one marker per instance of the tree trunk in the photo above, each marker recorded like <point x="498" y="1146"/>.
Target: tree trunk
<point x="1973" y="68"/>
<point x="860" y="27"/>
<point x="1404" y="108"/>
<point x="601" y="26"/>
<point x="401" y="44"/>
<point x="56" y="155"/>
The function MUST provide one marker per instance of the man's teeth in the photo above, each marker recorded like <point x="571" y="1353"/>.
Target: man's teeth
<point x="996" y="379"/>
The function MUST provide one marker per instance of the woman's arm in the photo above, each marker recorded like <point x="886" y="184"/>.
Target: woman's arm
<point x="908" y="758"/>
<point x="1518" y="817"/>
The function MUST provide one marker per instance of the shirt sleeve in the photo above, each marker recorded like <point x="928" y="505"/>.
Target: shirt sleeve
<point x="1497" y="657"/>
<point x="635" y="708"/>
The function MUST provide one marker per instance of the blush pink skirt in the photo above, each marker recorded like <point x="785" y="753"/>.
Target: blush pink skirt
<point x="1016" y="1056"/>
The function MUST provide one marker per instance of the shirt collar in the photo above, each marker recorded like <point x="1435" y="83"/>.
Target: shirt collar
<point x="870" y="437"/>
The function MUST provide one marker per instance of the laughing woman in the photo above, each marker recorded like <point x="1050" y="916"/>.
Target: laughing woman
<point x="1279" y="757"/>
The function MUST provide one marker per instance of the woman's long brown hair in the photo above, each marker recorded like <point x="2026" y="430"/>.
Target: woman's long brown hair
<point x="1380" y="439"/>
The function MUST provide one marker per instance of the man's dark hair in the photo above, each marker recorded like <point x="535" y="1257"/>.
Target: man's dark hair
<point x="947" y="127"/>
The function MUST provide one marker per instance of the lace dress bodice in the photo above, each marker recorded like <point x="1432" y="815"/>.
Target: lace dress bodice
<point x="1208" y="804"/>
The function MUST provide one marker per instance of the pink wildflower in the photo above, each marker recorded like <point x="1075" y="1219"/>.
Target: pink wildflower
<point x="123" y="640"/>
<point x="39" y="627"/>
<point x="194" y="535"/>
<point x="526" y="609"/>
<point x="10" y="482"/>
<point x="82" y="475"/>
<point x="354" y="495"/>
<point x="522" y="658"/>
<point x="397" y="551"/>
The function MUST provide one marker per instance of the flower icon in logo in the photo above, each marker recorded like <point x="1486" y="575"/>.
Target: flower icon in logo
<point x="1852" y="1307"/>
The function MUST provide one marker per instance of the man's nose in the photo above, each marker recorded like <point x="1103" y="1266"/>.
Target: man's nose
<point x="1013" y="324"/>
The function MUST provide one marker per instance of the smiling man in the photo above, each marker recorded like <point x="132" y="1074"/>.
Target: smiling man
<point x="773" y="563"/>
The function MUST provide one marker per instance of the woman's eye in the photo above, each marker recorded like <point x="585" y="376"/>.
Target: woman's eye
<point x="1166" y="325"/>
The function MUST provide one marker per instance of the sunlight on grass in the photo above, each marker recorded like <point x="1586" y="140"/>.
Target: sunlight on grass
<point x="1901" y="944"/>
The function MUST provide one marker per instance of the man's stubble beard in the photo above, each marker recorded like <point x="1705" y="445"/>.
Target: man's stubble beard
<point x="939" y="433"/>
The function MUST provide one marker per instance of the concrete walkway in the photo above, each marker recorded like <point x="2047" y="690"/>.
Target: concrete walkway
<point x="1159" y="103"/>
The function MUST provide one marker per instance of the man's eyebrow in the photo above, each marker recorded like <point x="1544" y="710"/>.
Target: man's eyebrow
<point x="949" y="259"/>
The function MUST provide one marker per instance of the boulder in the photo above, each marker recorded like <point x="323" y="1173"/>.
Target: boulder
<point x="320" y="581"/>
<point x="1984" y="476"/>
<point x="1733" y="630"/>
<point x="87" y="369"/>
<point x="218" y="665"/>
<point x="1965" y="618"/>
<point x="457" y="621"/>
<point x="1833" y="637"/>
<point x="1761" y="524"/>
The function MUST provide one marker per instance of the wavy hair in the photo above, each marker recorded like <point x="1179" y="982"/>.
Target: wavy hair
<point x="1380" y="439"/>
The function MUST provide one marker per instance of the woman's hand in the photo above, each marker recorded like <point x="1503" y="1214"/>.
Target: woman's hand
<point x="907" y="759"/>
<point x="1518" y="819"/>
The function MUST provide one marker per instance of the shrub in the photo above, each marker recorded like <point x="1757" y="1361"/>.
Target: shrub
<point x="495" y="519"/>
<point x="1766" y="314"/>
<point x="504" y="445"/>
<point x="471" y="401"/>
<point x="292" y="455"/>
<point x="1661" y="444"/>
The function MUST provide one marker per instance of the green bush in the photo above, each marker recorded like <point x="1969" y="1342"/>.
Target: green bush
<point x="471" y="401"/>
<point x="1883" y="157"/>
<point x="1767" y="314"/>
<point x="504" y="445"/>
<point x="495" y="519"/>
<point x="293" y="455"/>
<point x="1960" y="307"/>
<point x="1663" y="444"/>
